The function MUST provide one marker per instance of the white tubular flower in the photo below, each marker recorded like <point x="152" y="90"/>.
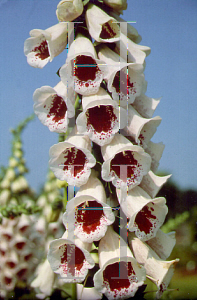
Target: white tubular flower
<point x="124" y="80"/>
<point x="120" y="275"/>
<point x="146" y="215"/>
<point x="68" y="10"/>
<point x="121" y="152"/>
<point x="155" y="150"/>
<point x="139" y="128"/>
<point x="135" y="53"/>
<point x="83" y="70"/>
<point x="44" y="45"/>
<point x="19" y="184"/>
<point x="132" y="33"/>
<point x="163" y="243"/>
<point x="84" y="293"/>
<point x="72" y="160"/>
<point x="160" y="271"/>
<point x="89" y="211"/>
<point x="152" y="183"/>
<point x="8" y="280"/>
<point x="145" y="106"/>
<point x="53" y="106"/>
<point x="72" y="268"/>
<point x="101" y="117"/>
<point x="45" y="279"/>
<point x="105" y="29"/>
<point x="117" y="5"/>
<point x="11" y="261"/>
<point x="24" y="224"/>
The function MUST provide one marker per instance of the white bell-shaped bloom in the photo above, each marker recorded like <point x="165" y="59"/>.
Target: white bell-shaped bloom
<point x="44" y="45"/>
<point x="120" y="275"/>
<point x="101" y="117"/>
<point x="163" y="243"/>
<point x="89" y="211"/>
<point x="85" y="293"/>
<point x="152" y="183"/>
<point x="72" y="160"/>
<point x="68" y="10"/>
<point x="155" y="150"/>
<point x="124" y="80"/>
<point x="53" y="106"/>
<point x="146" y="215"/>
<point x="139" y="128"/>
<point x="83" y="71"/>
<point x="70" y="259"/>
<point x="45" y="279"/>
<point x="117" y="5"/>
<point x="102" y="27"/>
<point x="145" y="106"/>
<point x="124" y="164"/>
<point x="135" y="53"/>
<point x="160" y="271"/>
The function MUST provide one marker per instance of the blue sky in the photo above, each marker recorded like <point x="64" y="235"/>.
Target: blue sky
<point x="168" y="27"/>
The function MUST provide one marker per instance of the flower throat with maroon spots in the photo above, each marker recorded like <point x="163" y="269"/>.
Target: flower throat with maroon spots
<point x="89" y="214"/>
<point x="74" y="157"/>
<point x="87" y="72"/>
<point x="67" y="260"/>
<point x="58" y="109"/>
<point x="101" y="118"/>
<point x="43" y="51"/>
<point x="124" y="158"/>
<point x="113" y="270"/>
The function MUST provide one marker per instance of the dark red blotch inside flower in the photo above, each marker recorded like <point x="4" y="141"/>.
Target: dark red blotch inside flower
<point x="42" y="50"/>
<point x="72" y="257"/>
<point x="143" y="219"/>
<point x="89" y="214"/>
<point x="58" y="109"/>
<point x="107" y="32"/>
<point x="101" y="117"/>
<point x="124" y="158"/>
<point x="122" y="83"/>
<point x="75" y="158"/>
<point x="85" y="68"/>
<point x="118" y="269"/>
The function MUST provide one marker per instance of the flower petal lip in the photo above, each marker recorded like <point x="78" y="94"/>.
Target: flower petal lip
<point x="139" y="128"/>
<point x="163" y="243"/>
<point x="57" y="257"/>
<point x="152" y="183"/>
<point x="68" y="10"/>
<point x="145" y="106"/>
<point x="83" y="71"/>
<point x="53" y="107"/>
<point x="120" y="146"/>
<point x="81" y="168"/>
<point x="135" y="53"/>
<point x="146" y="215"/>
<point x="105" y="29"/>
<point x="44" y="45"/>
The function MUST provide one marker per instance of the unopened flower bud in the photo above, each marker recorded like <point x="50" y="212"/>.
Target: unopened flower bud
<point x="13" y="162"/>
<point x="68" y="10"/>
<point x="118" y="5"/>
<point x="10" y="174"/>
<point x="4" y="196"/>
<point x="18" y="153"/>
